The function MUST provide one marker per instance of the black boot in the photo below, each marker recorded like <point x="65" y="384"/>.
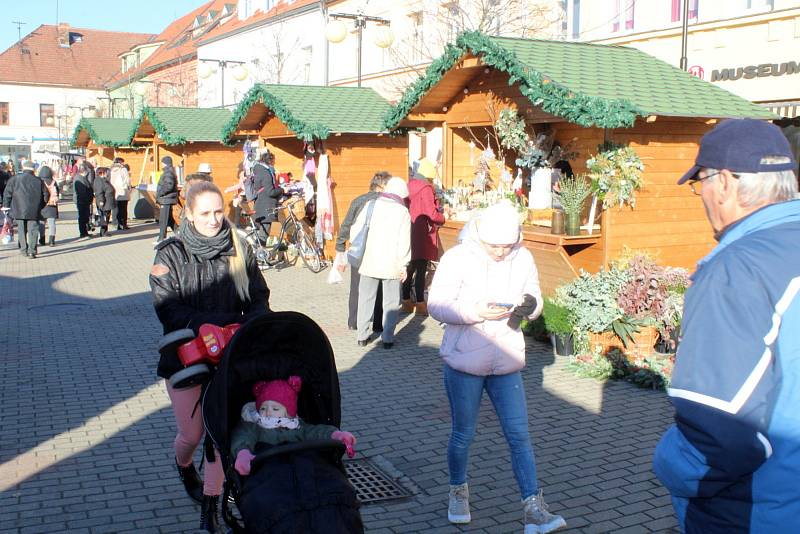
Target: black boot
<point x="208" y="514"/>
<point x="191" y="481"/>
<point x="52" y="240"/>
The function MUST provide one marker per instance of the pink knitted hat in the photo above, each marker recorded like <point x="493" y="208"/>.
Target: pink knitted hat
<point x="282" y="391"/>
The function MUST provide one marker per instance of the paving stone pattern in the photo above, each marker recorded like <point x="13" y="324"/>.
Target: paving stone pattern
<point x="85" y="443"/>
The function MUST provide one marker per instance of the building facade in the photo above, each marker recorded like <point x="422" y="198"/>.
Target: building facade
<point x="49" y="80"/>
<point x="748" y="47"/>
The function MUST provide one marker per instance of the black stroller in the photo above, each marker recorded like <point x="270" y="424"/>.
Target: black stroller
<point x="296" y="487"/>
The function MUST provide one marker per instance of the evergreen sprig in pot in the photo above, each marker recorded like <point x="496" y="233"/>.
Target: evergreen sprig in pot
<point x="573" y="192"/>
<point x="559" y="323"/>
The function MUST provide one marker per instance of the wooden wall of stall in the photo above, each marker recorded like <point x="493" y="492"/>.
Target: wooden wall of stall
<point x="668" y="222"/>
<point x="354" y="159"/>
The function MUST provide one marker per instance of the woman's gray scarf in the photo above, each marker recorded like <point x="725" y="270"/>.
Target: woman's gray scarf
<point x="206" y="247"/>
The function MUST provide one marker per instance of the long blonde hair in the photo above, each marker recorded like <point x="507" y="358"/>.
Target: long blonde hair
<point x="237" y="263"/>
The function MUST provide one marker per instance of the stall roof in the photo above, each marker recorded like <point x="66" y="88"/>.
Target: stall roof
<point x="176" y="126"/>
<point x="106" y="132"/>
<point x="588" y="84"/>
<point x="312" y="111"/>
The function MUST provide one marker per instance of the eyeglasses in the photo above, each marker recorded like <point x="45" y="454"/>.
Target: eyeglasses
<point x="692" y="183"/>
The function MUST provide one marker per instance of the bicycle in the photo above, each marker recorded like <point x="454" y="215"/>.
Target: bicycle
<point x="292" y="233"/>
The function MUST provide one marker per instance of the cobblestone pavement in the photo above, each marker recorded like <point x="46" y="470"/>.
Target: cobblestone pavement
<point x="85" y="442"/>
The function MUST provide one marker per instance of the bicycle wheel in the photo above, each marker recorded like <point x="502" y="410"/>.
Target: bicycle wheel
<point x="308" y="251"/>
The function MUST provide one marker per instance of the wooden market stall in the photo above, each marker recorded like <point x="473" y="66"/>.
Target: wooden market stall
<point x="191" y="136"/>
<point x="106" y="139"/>
<point x="343" y="122"/>
<point x="582" y="95"/>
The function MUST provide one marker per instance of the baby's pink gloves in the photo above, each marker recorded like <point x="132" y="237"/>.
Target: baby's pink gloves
<point x="243" y="460"/>
<point x="348" y="439"/>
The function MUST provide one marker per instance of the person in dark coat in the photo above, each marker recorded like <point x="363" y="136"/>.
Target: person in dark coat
<point x="426" y="218"/>
<point x="50" y="210"/>
<point x="104" y="200"/>
<point x="5" y="176"/>
<point x="166" y="197"/>
<point x="376" y="185"/>
<point x="205" y="274"/>
<point x="26" y="195"/>
<point x="267" y="191"/>
<point x="82" y="190"/>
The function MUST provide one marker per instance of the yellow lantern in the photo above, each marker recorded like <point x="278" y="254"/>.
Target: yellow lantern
<point x="384" y="37"/>
<point x="335" y="31"/>
<point x="240" y="73"/>
<point x="204" y="70"/>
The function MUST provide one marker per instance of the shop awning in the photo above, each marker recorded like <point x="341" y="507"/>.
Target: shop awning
<point x="787" y="110"/>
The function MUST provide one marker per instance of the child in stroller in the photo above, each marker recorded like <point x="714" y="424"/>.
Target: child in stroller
<point x="272" y="419"/>
<point x="282" y="479"/>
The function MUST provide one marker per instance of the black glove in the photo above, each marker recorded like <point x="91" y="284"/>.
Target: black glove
<point x="522" y="311"/>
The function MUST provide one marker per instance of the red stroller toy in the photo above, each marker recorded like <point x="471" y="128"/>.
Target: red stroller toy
<point x="197" y="352"/>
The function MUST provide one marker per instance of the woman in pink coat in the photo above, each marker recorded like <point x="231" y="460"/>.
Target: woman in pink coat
<point x="482" y="289"/>
<point x="426" y="218"/>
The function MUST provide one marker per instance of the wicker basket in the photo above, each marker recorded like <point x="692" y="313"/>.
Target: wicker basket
<point x="642" y="346"/>
<point x="298" y="208"/>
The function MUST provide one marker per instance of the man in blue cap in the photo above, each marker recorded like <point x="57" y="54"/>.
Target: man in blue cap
<point x="732" y="459"/>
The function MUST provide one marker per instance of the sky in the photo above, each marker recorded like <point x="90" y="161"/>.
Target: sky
<point x="138" y="16"/>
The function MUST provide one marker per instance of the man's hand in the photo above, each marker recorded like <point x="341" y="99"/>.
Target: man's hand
<point x="341" y="267"/>
<point x="403" y="275"/>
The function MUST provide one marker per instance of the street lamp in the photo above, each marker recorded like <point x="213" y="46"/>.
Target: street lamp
<point x="141" y="89"/>
<point x="204" y="70"/>
<point x="336" y="32"/>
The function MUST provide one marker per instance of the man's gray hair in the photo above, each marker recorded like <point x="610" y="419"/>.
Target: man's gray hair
<point x="765" y="187"/>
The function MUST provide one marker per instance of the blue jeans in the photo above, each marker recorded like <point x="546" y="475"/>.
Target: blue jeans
<point x="464" y="391"/>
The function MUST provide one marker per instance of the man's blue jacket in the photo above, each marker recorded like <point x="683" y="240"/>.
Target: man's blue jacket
<point x="732" y="458"/>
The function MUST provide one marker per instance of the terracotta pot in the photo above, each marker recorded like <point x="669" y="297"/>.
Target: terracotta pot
<point x="638" y="349"/>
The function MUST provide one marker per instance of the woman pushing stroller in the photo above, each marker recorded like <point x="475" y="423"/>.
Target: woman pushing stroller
<point x="205" y="274"/>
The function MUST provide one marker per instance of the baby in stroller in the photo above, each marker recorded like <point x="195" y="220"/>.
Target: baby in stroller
<point x="272" y="419"/>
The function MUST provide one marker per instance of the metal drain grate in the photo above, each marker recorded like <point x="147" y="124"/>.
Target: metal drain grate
<point x="372" y="484"/>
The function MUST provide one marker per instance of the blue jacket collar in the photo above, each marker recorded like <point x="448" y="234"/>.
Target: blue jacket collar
<point x="761" y="219"/>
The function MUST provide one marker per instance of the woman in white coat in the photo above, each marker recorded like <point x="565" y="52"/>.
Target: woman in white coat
<point x="482" y="289"/>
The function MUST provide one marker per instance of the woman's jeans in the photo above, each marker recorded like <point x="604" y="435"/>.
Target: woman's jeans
<point x="464" y="391"/>
<point x="51" y="227"/>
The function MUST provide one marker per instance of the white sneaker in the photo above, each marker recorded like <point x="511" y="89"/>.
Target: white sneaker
<point x="536" y="517"/>
<point x="458" y="508"/>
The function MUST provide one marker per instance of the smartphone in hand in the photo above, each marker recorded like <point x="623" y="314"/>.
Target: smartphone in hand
<point x="501" y="305"/>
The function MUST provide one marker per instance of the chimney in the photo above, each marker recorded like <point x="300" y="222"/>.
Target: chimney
<point x="63" y="35"/>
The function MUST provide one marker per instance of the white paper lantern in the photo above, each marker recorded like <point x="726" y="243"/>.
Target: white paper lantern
<point x="204" y="70"/>
<point x="384" y="37"/>
<point x="335" y="31"/>
<point x="240" y="73"/>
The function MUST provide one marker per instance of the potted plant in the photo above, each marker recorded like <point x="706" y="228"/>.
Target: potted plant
<point x="616" y="173"/>
<point x="558" y="322"/>
<point x="573" y="193"/>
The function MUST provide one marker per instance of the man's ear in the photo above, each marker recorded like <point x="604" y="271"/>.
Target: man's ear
<point x="728" y="185"/>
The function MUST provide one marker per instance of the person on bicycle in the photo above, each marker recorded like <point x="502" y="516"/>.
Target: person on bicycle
<point x="205" y="274"/>
<point x="267" y="191"/>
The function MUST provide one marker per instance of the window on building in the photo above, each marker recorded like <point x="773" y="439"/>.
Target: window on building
<point x="451" y="15"/>
<point x="564" y="25"/>
<point x="615" y="20"/>
<point x="47" y="114"/>
<point x="677" y="10"/>
<point x="765" y="4"/>
<point x="307" y="55"/>
<point x="576" y="19"/>
<point x="629" y="14"/>
<point x="417" y="32"/>
<point x="3" y="113"/>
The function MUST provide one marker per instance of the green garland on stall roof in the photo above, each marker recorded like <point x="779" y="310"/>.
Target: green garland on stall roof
<point x="160" y="128"/>
<point x="85" y="124"/>
<point x="303" y="130"/>
<point x="576" y="107"/>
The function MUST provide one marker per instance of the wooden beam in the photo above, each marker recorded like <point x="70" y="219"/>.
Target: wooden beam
<point x="469" y="62"/>
<point x="423" y="116"/>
